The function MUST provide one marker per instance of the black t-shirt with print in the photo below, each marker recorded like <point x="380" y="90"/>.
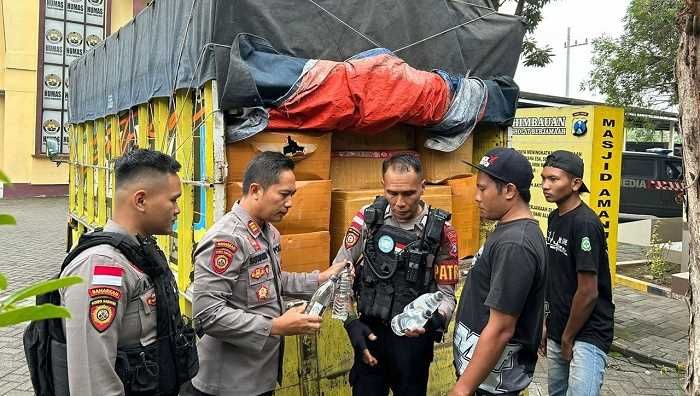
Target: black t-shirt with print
<point x="576" y="243"/>
<point x="509" y="276"/>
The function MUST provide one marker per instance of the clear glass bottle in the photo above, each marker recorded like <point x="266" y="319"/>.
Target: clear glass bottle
<point x="322" y="297"/>
<point x="416" y="313"/>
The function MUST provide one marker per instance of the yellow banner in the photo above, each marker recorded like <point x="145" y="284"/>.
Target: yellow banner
<point x="595" y="133"/>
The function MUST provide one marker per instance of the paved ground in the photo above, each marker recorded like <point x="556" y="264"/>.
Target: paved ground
<point x="651" y="325"/>
<point x="33" y="250"/>
<point x="623" y="377"/>
<point x="628" y="252"/>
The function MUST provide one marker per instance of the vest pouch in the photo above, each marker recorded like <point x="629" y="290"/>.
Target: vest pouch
<point x="137" y="367"/>
<point x="382" y="302"/>
<point x="404" y="295"/>
<point x="186" y="360"/>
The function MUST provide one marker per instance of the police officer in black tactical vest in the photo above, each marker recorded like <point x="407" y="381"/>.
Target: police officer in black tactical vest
<point x="401" y="248"/>
<point x="125" y="335"/>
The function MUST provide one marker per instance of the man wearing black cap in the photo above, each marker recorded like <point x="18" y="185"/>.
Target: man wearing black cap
<point x="579" y="326"/>
<point x="501" y="310"/>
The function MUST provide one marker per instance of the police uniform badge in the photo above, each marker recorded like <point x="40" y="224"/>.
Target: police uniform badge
<point x="351" y="238"/>
<point x="253" y="227"/>
<point x="103" y="306"/>
<point x="222" y="257"/>
<point x="263" y="293"/>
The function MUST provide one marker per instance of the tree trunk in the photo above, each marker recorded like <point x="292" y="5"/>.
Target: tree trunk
<point x="687" y="68"/>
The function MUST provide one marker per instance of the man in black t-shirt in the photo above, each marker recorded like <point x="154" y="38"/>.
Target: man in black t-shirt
<point x="579" y="326"/>
<point x="501" y="309"/>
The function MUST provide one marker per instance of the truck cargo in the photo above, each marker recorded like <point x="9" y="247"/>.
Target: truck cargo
<point x="213" y="82"/>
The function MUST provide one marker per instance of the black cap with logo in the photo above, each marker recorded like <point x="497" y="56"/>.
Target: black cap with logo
<point x="569" y="162"/>
<point x="507" y="165"/>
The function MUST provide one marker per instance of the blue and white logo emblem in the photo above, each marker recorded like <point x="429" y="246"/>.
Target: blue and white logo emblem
<point x="580" y="124"/>
<point x="386" y="244"/>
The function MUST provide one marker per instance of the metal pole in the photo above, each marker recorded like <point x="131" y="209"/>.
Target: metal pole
<point x="671" y="132"/>
<point x="568" y="50"/>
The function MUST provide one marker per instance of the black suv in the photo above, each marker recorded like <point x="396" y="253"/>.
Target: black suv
<point x="651" y="184"/>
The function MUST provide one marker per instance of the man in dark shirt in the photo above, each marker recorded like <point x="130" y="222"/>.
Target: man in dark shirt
<point x="579" y="327"/>
<point x="501" y="309"/>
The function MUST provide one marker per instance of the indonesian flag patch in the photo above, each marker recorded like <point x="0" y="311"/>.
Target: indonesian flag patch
<point x="222" y="257"/>
<point x="106" y="275"/>
<point x="103" y="310"/>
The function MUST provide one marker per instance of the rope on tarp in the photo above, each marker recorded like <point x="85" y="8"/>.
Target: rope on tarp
<point x="443" y="32"/>
<point x="377" y="45"/>
<point x="346" y="24"/>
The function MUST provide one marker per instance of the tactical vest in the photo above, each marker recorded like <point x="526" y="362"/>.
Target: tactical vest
<point x="398" y="264"/>
<point x="159" y="368"/>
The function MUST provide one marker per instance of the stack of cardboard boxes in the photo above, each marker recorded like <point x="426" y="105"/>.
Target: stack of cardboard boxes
<point x="356" y="164"/>
<point x="337" y="174"/>
<point x="305" y="238"/>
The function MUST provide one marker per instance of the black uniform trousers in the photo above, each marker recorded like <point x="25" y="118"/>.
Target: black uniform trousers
<point x="404" y="364"/>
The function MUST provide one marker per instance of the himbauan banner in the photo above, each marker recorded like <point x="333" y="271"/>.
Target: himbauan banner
<point x="595" y="133"/>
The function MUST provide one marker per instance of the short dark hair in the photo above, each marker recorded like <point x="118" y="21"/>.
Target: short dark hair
<point x="403" y="162"/>
<point x="500" y="185"/>
<point x="138" y="162"/>
<point x="265" y="169"/>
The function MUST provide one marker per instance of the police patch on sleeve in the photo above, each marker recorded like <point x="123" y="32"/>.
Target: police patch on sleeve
<point x="103" y="310"/>
<point x="351" y="238"/>
<point x="447" y="272"/>
<point x="222" y="257"/>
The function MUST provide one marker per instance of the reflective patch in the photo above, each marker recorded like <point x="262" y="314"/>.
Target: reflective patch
<point x="102" y="313"/>
<point x="351" y="238"/>
<point x="385" y="244"/>
<point x="447" y="272"/>
<point x="222" y="257"/>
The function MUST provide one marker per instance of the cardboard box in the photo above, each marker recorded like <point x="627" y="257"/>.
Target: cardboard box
<point x="305" y="252"/>
<point x="310" y="151"/>
<point x="439" y="166"/>
<point x="465" y="214"/>
<point x="355" y="170"/>
<point x="346" y="203"/>
<point x="311" y="206"/>
<point x="400" y="137"/>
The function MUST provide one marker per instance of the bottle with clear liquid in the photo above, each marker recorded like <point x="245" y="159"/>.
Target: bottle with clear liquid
<point x="342" y="295"/>
<point x="429" y="301"/>
<point x="322" y="297"/>
<point x="406" y="321"/>
<point x="416" y="313"/>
